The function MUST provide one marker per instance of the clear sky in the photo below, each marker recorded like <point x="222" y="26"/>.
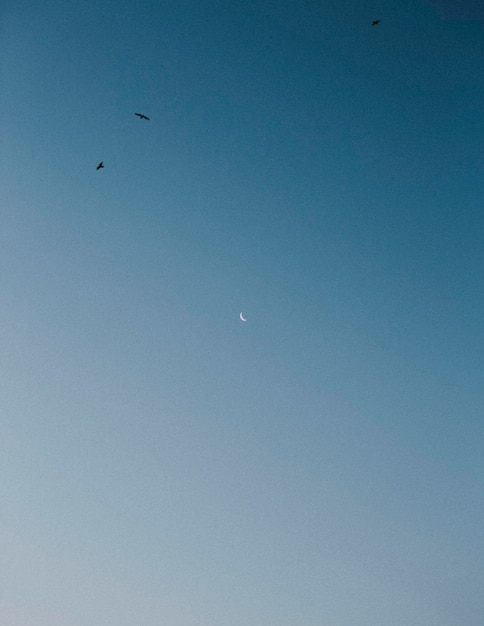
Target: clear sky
<point x="162" y="462"/>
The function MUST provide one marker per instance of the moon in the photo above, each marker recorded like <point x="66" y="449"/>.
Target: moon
<point x="242" y="318"/>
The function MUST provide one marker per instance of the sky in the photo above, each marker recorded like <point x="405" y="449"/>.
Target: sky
<point x="163" y="462"/>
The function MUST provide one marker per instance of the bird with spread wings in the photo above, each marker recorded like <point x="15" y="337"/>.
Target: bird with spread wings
<point x="141" y="116"/>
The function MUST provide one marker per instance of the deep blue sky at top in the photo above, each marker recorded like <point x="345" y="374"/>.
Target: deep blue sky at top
<point x="321" y="464"/>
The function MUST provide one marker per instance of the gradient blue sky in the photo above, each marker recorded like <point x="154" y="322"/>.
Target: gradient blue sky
<point x="162" y="462"/>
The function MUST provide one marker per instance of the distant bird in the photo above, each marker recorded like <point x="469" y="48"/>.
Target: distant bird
<point x="141" y="116"/>
<point x="375" y="22"/>
<point x="100" y="166"/>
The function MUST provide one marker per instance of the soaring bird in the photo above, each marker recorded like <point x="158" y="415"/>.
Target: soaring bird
<point x="141" y="116"/>
<point x="375" y="22"/>
<point x="100" y="166"/>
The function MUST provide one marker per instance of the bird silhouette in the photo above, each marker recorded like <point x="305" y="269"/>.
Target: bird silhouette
<point x="375" y="22"/>
<point x="100" y="166"/>
<point x="141" y="116"/>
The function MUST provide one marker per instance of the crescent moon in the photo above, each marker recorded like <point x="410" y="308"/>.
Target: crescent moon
<point x="242" y="318"/>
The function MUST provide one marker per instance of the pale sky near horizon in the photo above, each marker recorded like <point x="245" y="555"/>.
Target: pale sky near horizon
<point x="162" y="462"/>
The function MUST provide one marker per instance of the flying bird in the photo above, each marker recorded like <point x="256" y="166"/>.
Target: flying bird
<point x="100" y="166"/>
<point x="375" y="22"/>
<point x="142" y="117"/>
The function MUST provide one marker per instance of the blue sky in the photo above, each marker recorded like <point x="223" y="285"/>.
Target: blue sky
<point x="162" y="461"/>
